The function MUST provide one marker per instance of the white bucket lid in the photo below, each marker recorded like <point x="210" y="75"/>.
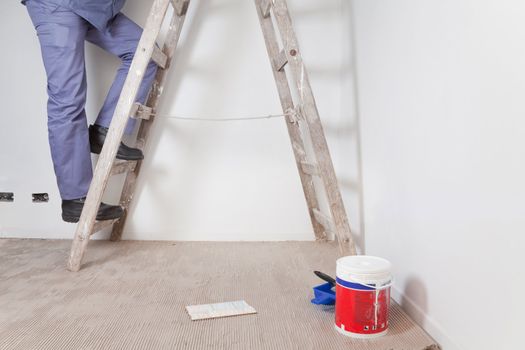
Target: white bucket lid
<point x="364" y="269"/>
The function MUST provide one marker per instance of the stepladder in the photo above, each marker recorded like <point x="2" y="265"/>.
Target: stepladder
<point x="302" y="120"/>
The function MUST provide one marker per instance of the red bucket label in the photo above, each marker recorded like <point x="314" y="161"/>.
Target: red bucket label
<point x="361" y="310"/>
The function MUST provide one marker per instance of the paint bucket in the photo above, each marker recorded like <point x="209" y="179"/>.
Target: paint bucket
<point x="362" y="296"/>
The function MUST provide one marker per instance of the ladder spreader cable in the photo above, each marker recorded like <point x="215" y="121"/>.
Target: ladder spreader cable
<point x="207" y="119"/>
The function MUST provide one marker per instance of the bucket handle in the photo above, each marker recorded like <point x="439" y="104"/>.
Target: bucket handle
<point x="385" y="286"/>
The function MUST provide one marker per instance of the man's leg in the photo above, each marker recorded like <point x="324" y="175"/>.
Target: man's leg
<point x="61" y="34"/>
<point x="121" y="39"/>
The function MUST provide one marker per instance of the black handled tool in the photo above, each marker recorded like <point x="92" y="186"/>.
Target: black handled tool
<point x="325" y="277"/>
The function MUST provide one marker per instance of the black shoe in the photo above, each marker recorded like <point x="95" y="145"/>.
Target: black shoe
<point x="97" y="135"/>
<point x="71" y="210"/>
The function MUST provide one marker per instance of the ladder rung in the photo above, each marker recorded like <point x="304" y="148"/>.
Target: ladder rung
<point x="324" y="220"/>
<point x="266" y="6"/>
<point x="123" y="166"/>
<point x="310" y="169"/>
<point x="100" y="225"/>
<point x="280" y="61"/>
<point x="180" y="6"/>
<point x="140" y="111"/>
<point x="159" y="57"/>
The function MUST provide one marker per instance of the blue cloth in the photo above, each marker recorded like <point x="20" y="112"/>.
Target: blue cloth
<point x="62" y="33"/>
<point x="97" y="12"/>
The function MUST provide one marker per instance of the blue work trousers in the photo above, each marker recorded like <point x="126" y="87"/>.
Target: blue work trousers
<point x="62" y="34"/>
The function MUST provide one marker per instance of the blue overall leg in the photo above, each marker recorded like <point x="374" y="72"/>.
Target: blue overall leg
<point x="121" y="39"/>
<point x="61" y="34"/>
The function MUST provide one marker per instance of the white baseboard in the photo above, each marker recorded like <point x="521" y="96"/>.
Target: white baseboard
<point x="435" y="330"/>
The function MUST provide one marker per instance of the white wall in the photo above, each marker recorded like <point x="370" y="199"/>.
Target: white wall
<point x="441" y="92"/>
<point x="201" y="181"/>
<point x="440" y="87"/>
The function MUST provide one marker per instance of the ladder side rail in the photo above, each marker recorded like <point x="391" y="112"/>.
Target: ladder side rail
<point x="294" y="131"/>
<point x="128" y="190"/>
<point x="116" y="130"/>
<point x="311" y="114"/>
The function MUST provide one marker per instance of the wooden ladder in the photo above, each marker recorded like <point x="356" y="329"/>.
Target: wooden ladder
<point x="302" y="120"/>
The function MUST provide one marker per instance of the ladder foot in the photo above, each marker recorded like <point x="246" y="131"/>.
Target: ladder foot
<point x="73" y="264"/>
<point x="73" y="268"/>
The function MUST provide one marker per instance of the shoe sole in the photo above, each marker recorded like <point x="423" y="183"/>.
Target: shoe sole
<point x="71" y="219"/>
<point x="98" y="150"/>
<point x="75" y="219"/>
<point x="129" y="158"/>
